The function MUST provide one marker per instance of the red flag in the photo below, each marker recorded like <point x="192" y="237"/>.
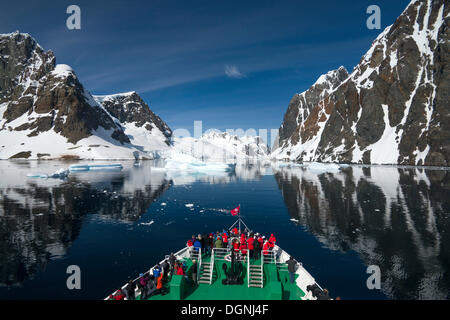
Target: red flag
<point x="235" y="211"/>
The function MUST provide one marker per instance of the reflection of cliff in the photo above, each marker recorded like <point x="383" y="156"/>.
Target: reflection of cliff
<point x="39" y="222"/>
<point x="398" y="219"/>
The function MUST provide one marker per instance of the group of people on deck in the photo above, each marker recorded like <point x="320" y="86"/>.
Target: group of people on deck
<point x="152" y="282"/>
<point x="242" y="243"/>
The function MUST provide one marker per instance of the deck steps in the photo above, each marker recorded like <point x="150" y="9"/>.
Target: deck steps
<point x="205" y="272"/>
<point x="255" y="276"/>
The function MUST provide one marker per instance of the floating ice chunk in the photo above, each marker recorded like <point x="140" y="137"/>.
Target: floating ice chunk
<point x="189" y="205"/>
<point x="163" y="204"/>
<point x="114" y="166"/>
<point x="78" y="167"/>
<point x="146" y="223"/>
<point x="95" y="167"/>
<point x="60" y="174"/>
<point x="37" y="175"/>
<point x="323" y="167"/>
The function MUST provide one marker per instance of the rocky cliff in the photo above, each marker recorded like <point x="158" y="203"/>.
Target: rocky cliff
<point x="45" y="112"/>
<point x="393" y="107"/>
<point x="144" y="127"/>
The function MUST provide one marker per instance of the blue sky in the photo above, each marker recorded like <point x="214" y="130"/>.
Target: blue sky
<point x="231" y="64"/>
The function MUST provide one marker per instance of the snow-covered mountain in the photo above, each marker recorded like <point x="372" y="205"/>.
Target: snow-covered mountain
<point x="144" y="128"/>
<point x="45" y="112"/>
<point x="223" y="147"/>
<point x="394" y="106"/>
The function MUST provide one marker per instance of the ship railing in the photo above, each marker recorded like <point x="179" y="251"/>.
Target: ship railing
<point x="220" y="253"/>
<point x="304" y="275"/>
<point x="268" y="256"/>
<point x="241" y="257"/>
<point x="194" y="253"/>
<point x="262" y="270"/>
<point x="199" y="261"/>
<point x="211" y="266"/>
<point x="248" y="268"/>
<point x="183" y="253"/>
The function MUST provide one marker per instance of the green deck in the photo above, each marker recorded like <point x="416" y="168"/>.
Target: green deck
<point x="276" y="285"/>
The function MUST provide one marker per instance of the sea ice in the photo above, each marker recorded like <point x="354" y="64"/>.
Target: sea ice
<point x="318" y="167"/>
<point x="60" y="174"/>
<point x="146" y="223"/>
<point x="95" y="167"/>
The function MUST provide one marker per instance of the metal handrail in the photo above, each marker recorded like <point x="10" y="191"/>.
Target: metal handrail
<point x="178" y="253"/>
<point x="270" y="255"/>
<point x="221" y="250"/>
<point x="211" y="266"/>
<point x="262" y="269"/>
<point x="199" y="263"/>
<point x="248" y="268"/>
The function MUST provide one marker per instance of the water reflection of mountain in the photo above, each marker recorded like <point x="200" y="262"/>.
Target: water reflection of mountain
<point x="39" y="219"/>
<point x="242" y="172"/>
<point x="395" y="218"/>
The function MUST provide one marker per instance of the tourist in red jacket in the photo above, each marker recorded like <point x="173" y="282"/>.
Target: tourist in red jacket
<point x="266" y="248"/>
<point x="272" y="238"/>
<point x="180" y="271"/>
<point x="236" y="246"/>
<point x="225" y="240"/>
<point x="243" y="248"/>
<point x="119" y="295"/>
<point x="251" y="246"/>
<point x="261" y="241"/>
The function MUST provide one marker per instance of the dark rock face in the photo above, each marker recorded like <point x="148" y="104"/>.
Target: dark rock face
<point x="130" y="108"/>
<point x="30" y="84"/>
<point x="21" y="57"/>
<point x="39" y="96"/>
<point x="393" y="107"/>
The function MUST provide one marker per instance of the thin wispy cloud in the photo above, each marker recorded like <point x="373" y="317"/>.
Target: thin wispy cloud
<point x="233" y="72"/>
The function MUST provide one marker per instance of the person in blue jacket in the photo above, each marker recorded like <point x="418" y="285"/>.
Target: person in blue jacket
<point x="156" y="271"/>
<point x="197" y="244"/>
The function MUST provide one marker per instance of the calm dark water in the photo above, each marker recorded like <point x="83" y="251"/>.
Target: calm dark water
<point x="336" y="223"/>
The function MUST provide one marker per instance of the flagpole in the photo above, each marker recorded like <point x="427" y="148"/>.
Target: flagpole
<point x="239" y="206"/>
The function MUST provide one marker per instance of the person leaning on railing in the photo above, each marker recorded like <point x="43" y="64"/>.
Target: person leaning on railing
<point x="194" y="271"/>
<point x="292" y="264"/>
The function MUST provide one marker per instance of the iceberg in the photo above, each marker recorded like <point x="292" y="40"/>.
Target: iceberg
<point x="60" y="174"/>
<point x="37" y="175"/>
<point x="78" y="167"/>
<point x="95" y="167"/>
<point x="319" y="167"/>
